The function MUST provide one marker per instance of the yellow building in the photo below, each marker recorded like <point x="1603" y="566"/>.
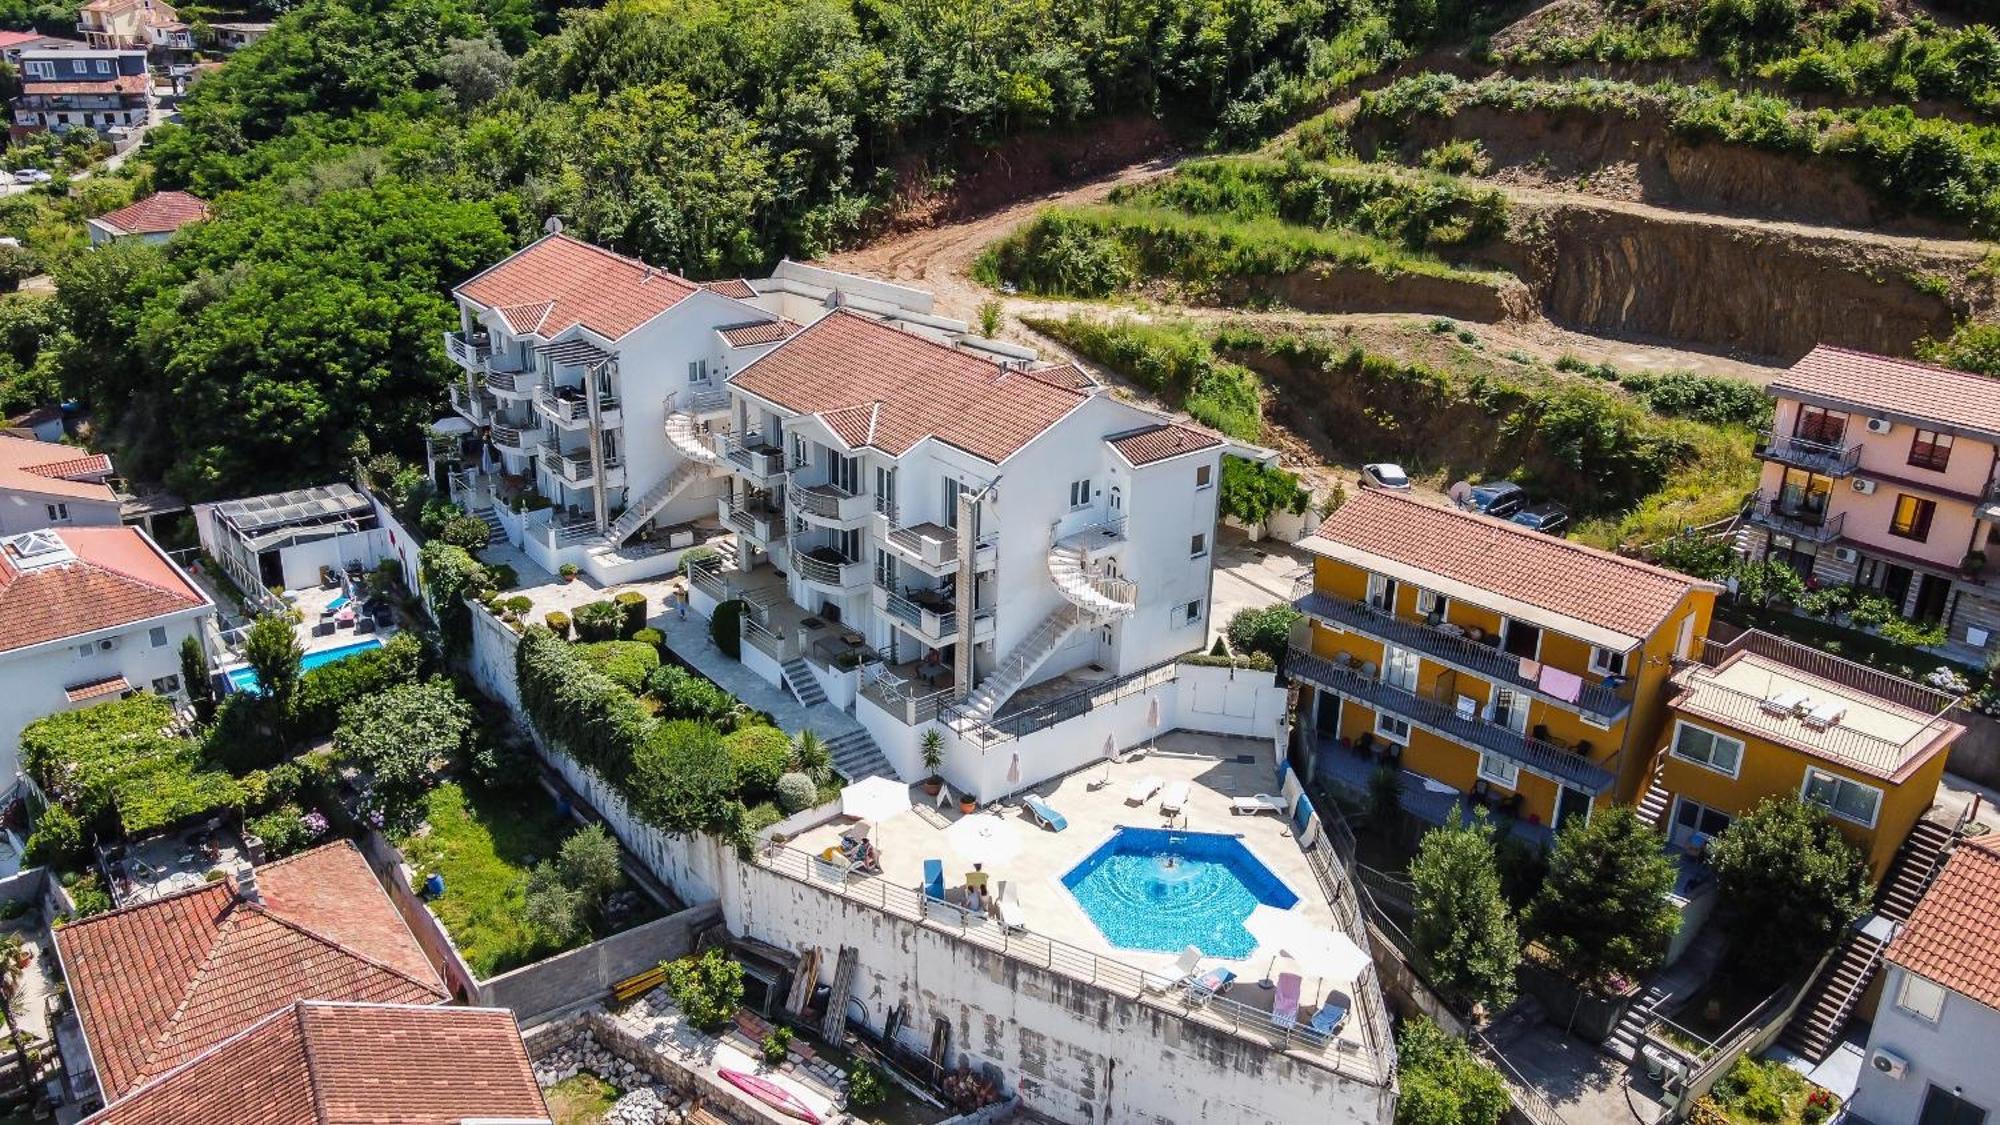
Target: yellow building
<point x="1763" y="717"/>
<point x="1501" y="665"/>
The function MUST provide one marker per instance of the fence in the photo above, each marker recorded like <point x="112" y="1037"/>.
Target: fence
<point x="1045" y="715"/>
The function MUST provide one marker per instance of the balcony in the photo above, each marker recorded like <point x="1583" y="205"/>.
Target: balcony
<point x="1544" y="758"/>
<point x="909" y="700"/>
<point x="827" y="570"/>
<point x="468" y="351"/>
<point x="1826" y="458"/>
<point x="565" y="406"/>
<point x="477" y="406"/>
<point x="930" y="547"/>
<point x="758" y="523"/>
<point x="752" y="458"/>
<point x="558" y="532"/>
<point x="826" y="504"/>
<point x="925" y="615"/>
<point x="700" y="399"/>
<point x="511" y="384"/>
<point x="1604" y="702"/>
<point x="575" y="468"/>
<point x="1795" y="519"/>
<point x="524" y="438"/>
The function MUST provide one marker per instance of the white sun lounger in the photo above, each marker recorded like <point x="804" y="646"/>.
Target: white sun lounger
<point x="1261" y="803"/>
<point x="1143" y="789"/>
<point x="1174" y="798"/>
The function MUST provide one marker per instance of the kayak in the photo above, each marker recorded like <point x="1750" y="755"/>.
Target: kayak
<point x="771" y="1094"/>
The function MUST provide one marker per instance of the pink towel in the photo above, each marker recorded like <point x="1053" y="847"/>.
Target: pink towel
<point x="1529" y="669"/>
<point x="1565" y="686"/>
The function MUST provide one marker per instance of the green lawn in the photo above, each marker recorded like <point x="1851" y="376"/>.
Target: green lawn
<point x="583" y="1099"/>
<point x="484" y="843"/>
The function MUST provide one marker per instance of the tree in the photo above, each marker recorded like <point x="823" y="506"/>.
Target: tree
<point x="1603" y="909"/>
<point x="1442" y="1081"/>
<point x="1463" y="932"/>
<point x="194" y="678"/>
<point x="475" y="70"/>
<point x="708" y="989"/>
<point x="1267" y="630"/>
<point x="401" y="736"/>
<point x="1253" y="492"/>
<point x="273" y="651"/>
<point x="565" y="892"/>
<point x="1788" y="884"/>
<point x="683" y="780"/>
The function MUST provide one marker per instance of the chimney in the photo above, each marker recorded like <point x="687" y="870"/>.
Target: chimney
<point x="246" y="884"/>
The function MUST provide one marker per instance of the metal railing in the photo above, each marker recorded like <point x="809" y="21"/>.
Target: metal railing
<point x="1044" y="715"/>
<point x="706" y="575"/>
<point x="558" y="531"/>
<point x="522" y="438"/>
<point x="821" y="572"/>
<point x="698" y="399"/>
<point x="468" y="351"/>
<point x="933" y="624"/>
<point x="1827" y="666"/>
<point x="509" y="382"/>
<point x="1779" y="514"/>
<point x="908" y="700"/>
<point x="1826" y="458"/>
<point x="764" y="525"/>
<point x="1707" y="695"/>
<point x="825" y="501"/>
<point x="750" y="455"/>
<point x="1527" y="1098"/>
<point x="561" y="407"/>
<point x="1020" y="944"/>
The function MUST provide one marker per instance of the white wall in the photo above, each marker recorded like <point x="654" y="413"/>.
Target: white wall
<point x="37" y="679"/>
<point x="1958" y="1051"/>
<point x="29" y="511"/>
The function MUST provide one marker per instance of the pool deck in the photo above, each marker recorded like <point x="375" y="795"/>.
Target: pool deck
<point x="1216" y="770"/>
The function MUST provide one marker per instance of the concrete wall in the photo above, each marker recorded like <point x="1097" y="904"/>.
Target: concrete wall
<point x="1955" y="1052"/>
<point x="29" y="511"/>
<point x="558" y="982"/>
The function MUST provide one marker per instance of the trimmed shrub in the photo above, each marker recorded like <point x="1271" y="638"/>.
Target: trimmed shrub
<point x="685" y="695"/>
<point x="504" y="577"/>
<point x="795" y="791"/>
<point x="650" y="637"/>
<point x="577" y="707"/>
<point x="1267" y="630"/>
<point x="625" y="663"/>
<point x="558" y="623"/>
<point x="467" y="531"/>
<point x="682" y="780"/>
<point x="632" y="604"/>
<point x="598" y="621"/>
<point x="707" y="989"/>
<point x="694" y="555"/>
<point x="759" y="756"/>
<point x="726" y="628"/>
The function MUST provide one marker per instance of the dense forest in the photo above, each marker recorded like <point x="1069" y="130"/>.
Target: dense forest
<point x="368" y="153"/>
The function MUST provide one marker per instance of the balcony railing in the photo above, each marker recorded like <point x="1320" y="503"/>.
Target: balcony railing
<point x="1568" y="766"/>
<point x="566" y="409"/>
<point x="561" y="531"/>
<point x="931" y="546"/>
<point x="1605" y="701"/>
<point x="764" y="526"/>
<point x="1794" y="519"/>
<point x="826" y="502"/>
<point x="1828" y="459"/>
<point x="750" y="456"/>
<point x="939" y="627"/>
<point x="477" y="406"/>
<point x="699" y="399"/>
<point x="511" y="382"/>
<point x="469" y="352"/>
<point x="911" y="701"/>
<point x="524" y="438"/>
<point x="845" y="574"/>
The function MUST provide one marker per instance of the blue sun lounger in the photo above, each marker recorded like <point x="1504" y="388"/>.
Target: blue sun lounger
<point x="1326" y="1022"/>
<point x="1044" y="813"/>
<point x="934" y="879"/>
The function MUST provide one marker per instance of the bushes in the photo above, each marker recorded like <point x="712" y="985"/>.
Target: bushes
<point x="707" y="989"/>
<point x="625" y="663"/>
<point x="1172" y="360"/>
<point x="759" y="756"/>
<point x="599" y="621"/>
<point x="112" y="766"/>
<point x="57" y="840"/>
<point x="632" y="605"/>
<point x="566" y="895"/>
<point x="1267" y="631"/>
<point x="576" y="706"/>
<point x="652" y="637"/>
<point x="683" y="781"/>
<point x="795" y="791"/>
<point x="325" y="690"/>
<point x="283" y="831"/>
<point x="558" y="623"/>
<point x="1443" y="1082"/>
<point x="402" y="737"/>
<point x="467" y="531"/>
<point x="1706" y="398"/>
<point x="1253" y="491"/>
<point x="725" y="628"/>
<point x="685" y="695"/>
<point x="450" y="573"/>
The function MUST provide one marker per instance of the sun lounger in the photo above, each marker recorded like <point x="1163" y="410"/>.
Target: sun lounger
<point x="1210" y="983"/>
<point x="1174" y="798"/>
<point x="1285" y="1004"/>
<point x="1044" y="813"/>
<point x="1328" y="1020"/>
<point x="934" y="879"/>
<point x="1142" y="790"/>
<point x="1007" y="906"/>
<point x="1183" y="972"/>
<point x="1261" y="803"/>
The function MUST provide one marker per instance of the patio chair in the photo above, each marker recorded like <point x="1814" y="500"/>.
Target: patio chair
<point x="1209" y="983"/>
<point x="1185" y="967"/>
<point x="1261" y="803"/>
<point x="1007" y="906"/>
<point x="1143" y="789"/>
<point x="1285" y="1003"/>
<point x="933" y="887"/>
<point x="1175" y="798"/>
<point x="1327" y="1022"/>
<point x="364" y="625"/>
<point x="1044" y="813"/>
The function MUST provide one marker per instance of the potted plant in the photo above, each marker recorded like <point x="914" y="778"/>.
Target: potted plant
<point x="1975" y="561"/>
<point x="568" y="572"/>
<point x="933" y="751"/>
<point x="966" y="804"/>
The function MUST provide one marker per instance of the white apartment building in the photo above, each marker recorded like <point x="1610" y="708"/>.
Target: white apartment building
<point x="88" y="614"/>
<point x="46" y="484"/>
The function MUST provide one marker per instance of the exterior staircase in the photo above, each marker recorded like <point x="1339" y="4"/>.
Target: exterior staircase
<point x="1100" y="596"/>
<point x="1654" y="803"/>
<point x="1013" y="672"/>
<point x="1816" y="1028"/>
<point x="653" y="499"/>
<point x="799" y="677"/>
<point x="492" y="520"/>
<point x="1624" y="1040"/>
<point x="685" y="434"/>
<point x="856" y="756"/>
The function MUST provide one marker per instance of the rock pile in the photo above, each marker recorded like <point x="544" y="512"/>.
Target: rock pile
<point x="644" y="1102"/>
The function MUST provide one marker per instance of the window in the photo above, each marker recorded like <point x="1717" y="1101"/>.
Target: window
<point x="1204" y="475"/>
<point x="58" y="513"/>
<point x="158" y="635"/>
<point x="1079" y="494"/>
<point x="1191" y="612"/>
<point x="1913" y="517"/>
<point x="1392" y="728"/>
<point x="1607" y="662"/>
<point x="697" y="371"/>
<point x="86" y="649"/>
<point x="1382" y="592"/>
<point x="1820" y="425"/>
<point x="1920" y="997"/>
<point x="1930" y="450"/>
<point x="1699" y="819"/>
<point x="103" y="66"/>
<point x="1510" y="710"/>
<point x="1498" y="770"/>
<point x="1399" y="667"/>
<point x="41" y="69"/>
<point x="1523" y="639"/>
<point x="1718" y="752"/>
<point x="1432" y="604"/>
<point x="167" y="685"/>
<point x="1848" y="800"/>
<point x="951" y="490"/>
<point x="1945" y="1107"/>
<point x="1804" y="495"/>
<point x="1197" y="545"/>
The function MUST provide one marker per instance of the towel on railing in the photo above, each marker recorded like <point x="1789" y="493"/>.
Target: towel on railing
<point x="1565" y="686"/>
<point x="1529" y="669"/>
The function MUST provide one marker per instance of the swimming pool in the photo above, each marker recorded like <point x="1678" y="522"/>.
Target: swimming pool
<point x="1162" y="890"/>
<point x="245" y="678"/>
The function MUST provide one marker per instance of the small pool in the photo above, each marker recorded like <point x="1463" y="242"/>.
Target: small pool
<point x="245" y="678"/>
<point x="1162" y="890"/>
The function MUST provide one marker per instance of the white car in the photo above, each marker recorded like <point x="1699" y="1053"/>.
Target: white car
<point x="32" y="176"/>
<point x="1385" y="476"/>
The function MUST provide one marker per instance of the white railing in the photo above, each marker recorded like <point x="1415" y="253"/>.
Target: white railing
<point x="908" y="701"/>
<point x="521" y="439"/>
<point x="749" y="455"/>
<point x="843" y="575"/>
<point x="762" y="525"/>
<point x="934" y="626"/>
<point x="509" y="382"/>
<point x="698" y="399"/>
<point x="825" y="501"/>
<point x="561" y="409"/>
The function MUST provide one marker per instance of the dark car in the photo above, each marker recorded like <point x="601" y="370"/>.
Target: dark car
<point x="1547" y="516"/>
<point x="1500" y="498"/>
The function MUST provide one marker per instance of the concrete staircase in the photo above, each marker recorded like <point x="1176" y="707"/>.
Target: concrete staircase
<point x="1624" y="1040"/>
<point x="1101" y="596"/>
<point x="856" y="756"/>
<point x="1832" y="996"/>
<point x="799" y="677"/>
<point x="653" y="499"/>
<point x="492" y="520"/>
<point x="1654" y="803"/>
<point x="1013" y="672"/>
<point x="685" y="434"/>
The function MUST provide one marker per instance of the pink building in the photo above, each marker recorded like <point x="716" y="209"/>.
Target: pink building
<point x="1880" y="472"/>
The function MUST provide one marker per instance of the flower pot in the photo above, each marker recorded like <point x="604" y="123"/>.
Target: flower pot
<point x="967" y="804"/>
<point x="932" y="786"/>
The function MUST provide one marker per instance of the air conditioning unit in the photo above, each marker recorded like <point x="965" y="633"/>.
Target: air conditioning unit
<point x="107" y="644"/>
<point x="1846" y="554"/>
<point x="1880" y="425"/>
<point x="1889" y="1063"/>
<point x="1864" y="486"/>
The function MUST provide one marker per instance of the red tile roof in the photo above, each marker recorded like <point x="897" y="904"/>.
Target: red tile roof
<point x="734" y="287"/>
<point x="97" y="689"/>
<point x="560" y="282"/>
<point x="123" y="84"/>
<point x="912" y="387"/>
<point x="159" y="983"/>
<point x="766" y="332"/>
<point x="159" y="213"/>
<point x="116" y="577"/>
<point x="1158" y="443"/>
<point x="1622" y="595"/>
<point x="1953" y="937"/>
<point x="322" y="1063"/>
<point x="47" y="468"/>
<point x="1901" y="387"/>
<point x="16" y="38"/>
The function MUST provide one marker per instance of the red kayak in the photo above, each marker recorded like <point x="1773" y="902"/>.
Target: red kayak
<point x="771" y="1094"/>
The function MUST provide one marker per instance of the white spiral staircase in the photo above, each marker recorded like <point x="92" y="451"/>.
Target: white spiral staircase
<point x="685" y="434"/>
<point x="1101" y="596"/>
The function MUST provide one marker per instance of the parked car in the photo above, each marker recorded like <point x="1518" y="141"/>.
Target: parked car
<point x="1547" y="516"/>
<point x="1500" y="498"/>
<point x="1384" y="475"/>
<point x="32" y="176"/>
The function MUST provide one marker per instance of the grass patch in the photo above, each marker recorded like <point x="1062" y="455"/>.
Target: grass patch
<point x="581" y="1099"/>
<point x="1173" y="360"/>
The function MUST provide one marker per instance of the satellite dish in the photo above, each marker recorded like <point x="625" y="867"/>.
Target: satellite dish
<point x="553" y="226"/>
<point x="1459" y="492"/>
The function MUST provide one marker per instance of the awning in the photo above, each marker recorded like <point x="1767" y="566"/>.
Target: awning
<point x="98" y="689"/>
<point x="578" y="353"/>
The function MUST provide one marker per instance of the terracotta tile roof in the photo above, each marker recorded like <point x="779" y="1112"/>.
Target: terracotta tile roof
<point x="159" y="213"/>
<point x="765" y="332"/>
<point x="122" y="84"/>
<point x="159" y="983"/>
<point x="16" y="38"/>
<point x="1895" y="386"/>
<point x="97" y="689"/>
<point x="1598" y="588"/>
<point x="1953" y="937"/>
<point x="1067" y="375"/>
<point x="321" y="1063"/>
<point x="1157" y="443"/>
<point x="734" y="287"/>
<point x="49" y="469"/>
<point x="560" y="282"/>
<point x="917" y="387"/>
<point x="115" y="578"/>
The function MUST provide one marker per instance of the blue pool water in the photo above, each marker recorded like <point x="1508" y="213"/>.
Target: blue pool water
<point x="245" y="678"/>
<point x="1160" y="890"/>
<point x="337" y="603"/>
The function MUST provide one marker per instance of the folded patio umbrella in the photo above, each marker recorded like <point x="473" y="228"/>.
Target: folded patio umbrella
<point x="875" y="798"/>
